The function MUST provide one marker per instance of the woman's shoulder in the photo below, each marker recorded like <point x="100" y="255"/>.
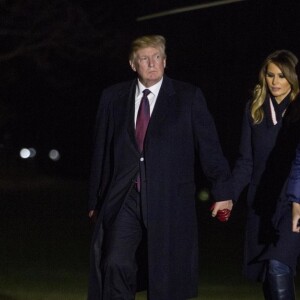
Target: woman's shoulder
<point x="293" y="112"/>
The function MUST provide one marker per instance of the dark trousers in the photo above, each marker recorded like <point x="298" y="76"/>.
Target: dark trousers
<point x="121" y="241"/>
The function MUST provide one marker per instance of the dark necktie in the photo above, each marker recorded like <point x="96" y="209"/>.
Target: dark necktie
<point x="142" y="120"/>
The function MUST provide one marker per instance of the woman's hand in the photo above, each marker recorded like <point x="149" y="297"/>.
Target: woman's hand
<point x="296" y="217"/>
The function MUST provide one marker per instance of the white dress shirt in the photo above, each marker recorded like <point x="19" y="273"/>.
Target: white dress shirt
<point x="154" y="89"/>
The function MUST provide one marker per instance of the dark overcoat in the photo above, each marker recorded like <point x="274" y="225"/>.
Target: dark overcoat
<point x="266" y="154"/>
<point x="293" y="187"/>
<point x="180" y="131"/>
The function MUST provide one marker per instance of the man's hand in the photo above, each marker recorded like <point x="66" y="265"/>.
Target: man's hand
<point x="222" y="210"/>
<point x="296" y="217"/>
<point x="93" y="215"/>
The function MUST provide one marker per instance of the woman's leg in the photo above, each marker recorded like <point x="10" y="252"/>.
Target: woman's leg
<point x="279" y="282"/>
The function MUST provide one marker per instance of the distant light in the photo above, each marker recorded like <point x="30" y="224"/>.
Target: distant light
<point x="203" y="195"/>
<point x="186" y="9"/>
<point x="32" y="152"/>
<point x="54" y="155"/>
<point x="26" y="153"/>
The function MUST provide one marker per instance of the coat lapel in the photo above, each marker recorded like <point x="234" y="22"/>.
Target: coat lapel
<point x="129" y="97"/>
<point x="161" y="107"/>
<point x="159" y="113"/>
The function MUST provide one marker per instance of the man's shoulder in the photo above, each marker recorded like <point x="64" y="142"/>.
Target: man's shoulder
<point x="119" y="87"/>
<point x="180" y="84"/>
<point x="183" y="88"/>
<point x="115" y="92"/>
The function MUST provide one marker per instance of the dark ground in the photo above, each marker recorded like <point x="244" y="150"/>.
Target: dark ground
<point x="45" y="234"/>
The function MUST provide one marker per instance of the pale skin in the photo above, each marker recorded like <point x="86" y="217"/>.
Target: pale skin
<point x="220" y="205"/>
<point x="149" y="63"/>
<point x="296" y="217"/>
<point x="278" y="85"/>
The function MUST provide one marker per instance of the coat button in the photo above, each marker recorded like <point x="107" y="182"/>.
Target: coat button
<point x="142" y="159"/>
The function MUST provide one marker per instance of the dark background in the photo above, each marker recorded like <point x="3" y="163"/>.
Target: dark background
<point x="56" y="56"/>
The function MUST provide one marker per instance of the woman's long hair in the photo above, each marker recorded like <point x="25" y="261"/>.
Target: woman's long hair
<point x="286" y="61"/>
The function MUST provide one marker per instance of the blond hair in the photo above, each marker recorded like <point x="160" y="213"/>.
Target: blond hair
<point x="155" y="41"/>
<point x="286" y="61"/>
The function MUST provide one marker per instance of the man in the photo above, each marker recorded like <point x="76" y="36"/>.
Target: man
<point x="146" y="184"/>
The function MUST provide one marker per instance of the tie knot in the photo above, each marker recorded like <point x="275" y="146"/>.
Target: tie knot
<point x="146" y="92"/>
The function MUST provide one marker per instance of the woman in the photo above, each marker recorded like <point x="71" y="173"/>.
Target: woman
<point x="269" y="139"/>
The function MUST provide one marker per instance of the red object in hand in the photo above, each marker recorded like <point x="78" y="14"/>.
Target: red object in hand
<point x="222" y="214"/>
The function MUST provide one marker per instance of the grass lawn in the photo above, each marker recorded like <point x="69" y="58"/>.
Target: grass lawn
<point x="45" y="234"/>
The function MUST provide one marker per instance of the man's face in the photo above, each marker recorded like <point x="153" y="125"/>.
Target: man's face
<point x="149" y="63"/>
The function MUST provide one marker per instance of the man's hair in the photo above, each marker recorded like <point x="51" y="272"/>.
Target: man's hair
<point x="155" y="41"/>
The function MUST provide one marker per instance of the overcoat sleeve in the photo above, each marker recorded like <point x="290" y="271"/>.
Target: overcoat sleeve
<point x="243" y="168"/>
<point x="100" y="164"/>
<point x="293" y="187"/>
<point x="213" y="162"/>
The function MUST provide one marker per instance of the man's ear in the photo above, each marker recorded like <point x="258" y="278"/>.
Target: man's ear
<point x="132" y="65"/>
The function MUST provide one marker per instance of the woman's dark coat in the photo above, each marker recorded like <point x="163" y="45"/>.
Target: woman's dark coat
<point x="293" y="188"/>
<point x="181" y="131"/>
<point x="266" y="154"/>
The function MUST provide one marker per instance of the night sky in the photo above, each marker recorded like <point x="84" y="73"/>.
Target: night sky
<point x="57" y="56"/>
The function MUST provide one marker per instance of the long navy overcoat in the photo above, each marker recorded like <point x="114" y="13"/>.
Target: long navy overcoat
<point x="293" y="188"/>
<point x="180" y="132"/>
<point x="266" y="154"/>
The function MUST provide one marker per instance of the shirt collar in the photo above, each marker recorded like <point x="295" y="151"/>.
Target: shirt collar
<point x="154" y="89"/>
